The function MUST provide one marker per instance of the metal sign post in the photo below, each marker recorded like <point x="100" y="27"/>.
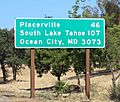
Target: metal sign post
<point x="32" y="73"/>
<point x="87" y="81"/>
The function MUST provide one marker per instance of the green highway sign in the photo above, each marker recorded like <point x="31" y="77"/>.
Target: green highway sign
<point x="59" y="33"/>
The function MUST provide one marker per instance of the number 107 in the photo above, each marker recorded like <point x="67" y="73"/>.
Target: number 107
<point x="93" y="32"/>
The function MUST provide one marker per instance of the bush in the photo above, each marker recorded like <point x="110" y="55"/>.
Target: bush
<point x="115" y="93"/>
<point x="61" y="87"/>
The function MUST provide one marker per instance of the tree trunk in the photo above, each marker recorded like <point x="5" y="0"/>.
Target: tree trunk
<point x="4" y="72"/>
<point x="79" y="84"/>
<point x="78" y="78"/>
<point x="14" y="72"/>
<point x="113" y="82"/>
<point x="113" y="76"/>
<point x="58" y="78"/>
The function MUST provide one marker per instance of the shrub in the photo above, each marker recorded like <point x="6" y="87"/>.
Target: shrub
<point x="115" y="93"/>
<point x="61" y="87"/>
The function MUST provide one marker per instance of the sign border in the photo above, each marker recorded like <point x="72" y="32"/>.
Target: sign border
<point x="53" y="19"/>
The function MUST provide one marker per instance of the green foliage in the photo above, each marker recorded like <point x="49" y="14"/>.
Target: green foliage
<point x="61" y="87"/>
<point x="15" y="57"/>
<point x="8" y="53"/>
<point x="56" y="59"/>
<point x="90" y="12"/>
<point x="112" y="49"/>
<point x="42" y="62"/>
<point x="74" y="12"/>
<point x="110" y="10"/>
<point x="5" y="43"/>
<point x="77" y="56"/>
<point x="98" y="58"/>
<point x="77" y="60"/>
<point x="60" y="63"/>
<point x="27" y="57"/>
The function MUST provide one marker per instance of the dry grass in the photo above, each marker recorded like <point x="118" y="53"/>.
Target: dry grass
<point x="18" y="91"/>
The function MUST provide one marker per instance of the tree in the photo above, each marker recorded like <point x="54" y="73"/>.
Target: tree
<point x="78" y="55"/>
<point x="111" y="13"/>
<point x="4" y="50"/>
<point x="110" y="9"/>
<point x="98" y="59"/>
<point x="77" y="60"/>
<point x="42" y="62"/>
<point x="56" y="59"/>
<point x="15" y="58"/>
<point x="60" y="62"/>
<point x="90" y="12"/>
<point x="74" y="12"/>
<point x="9" y="54"/>
<point x="112" y="51"/>
<point x="52" y="59"/>
<point x="41" y="65"/>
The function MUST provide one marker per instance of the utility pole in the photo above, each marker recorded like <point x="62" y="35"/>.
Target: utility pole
<point x="87" y="81"/>
<point x="32" y="73"/>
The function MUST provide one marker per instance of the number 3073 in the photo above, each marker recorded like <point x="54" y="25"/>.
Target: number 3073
<point x="91" y="42"/>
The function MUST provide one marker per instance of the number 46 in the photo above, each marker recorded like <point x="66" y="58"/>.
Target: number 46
<point x="97" y="25"/>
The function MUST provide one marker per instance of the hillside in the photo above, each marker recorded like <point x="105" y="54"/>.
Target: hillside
<point x="18" y="91"/>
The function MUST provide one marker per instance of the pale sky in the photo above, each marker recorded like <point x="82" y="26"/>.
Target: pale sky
<point x="10" y="9"/>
